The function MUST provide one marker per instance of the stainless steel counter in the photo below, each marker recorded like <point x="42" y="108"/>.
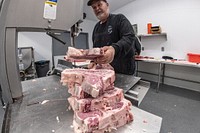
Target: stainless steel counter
<point x="44" y="109"/>
<point x="126" y="82"/>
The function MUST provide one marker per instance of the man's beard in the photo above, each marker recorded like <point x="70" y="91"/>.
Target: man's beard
<point x="100" y="16"/>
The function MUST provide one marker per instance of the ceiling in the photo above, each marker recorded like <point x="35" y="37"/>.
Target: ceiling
<point x="114" y="5"/>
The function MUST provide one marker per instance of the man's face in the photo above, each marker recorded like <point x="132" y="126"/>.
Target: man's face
<point x="101" y="10"/>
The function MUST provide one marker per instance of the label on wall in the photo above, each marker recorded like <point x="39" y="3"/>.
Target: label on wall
<point x="50" y="8"/>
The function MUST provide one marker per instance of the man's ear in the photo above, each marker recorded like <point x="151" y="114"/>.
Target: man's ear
<point x="107" y="4"/>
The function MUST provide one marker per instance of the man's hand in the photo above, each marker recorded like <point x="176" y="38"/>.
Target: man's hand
<point x="109" y="53"/>
<point x="92" y="65"/>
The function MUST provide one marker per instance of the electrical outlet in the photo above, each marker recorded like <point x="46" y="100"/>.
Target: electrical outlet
<point x="142" y="48"/>
<point x="162" y="49"/>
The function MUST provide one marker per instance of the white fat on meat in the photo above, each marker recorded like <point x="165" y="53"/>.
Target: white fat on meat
<point x="93" y="82"/>
<point x="105" y="101"/>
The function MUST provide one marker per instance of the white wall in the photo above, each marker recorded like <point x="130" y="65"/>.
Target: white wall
<point x="180" y="19"/>
<point x="88" y="27"/>
<point x="41" y="43"/>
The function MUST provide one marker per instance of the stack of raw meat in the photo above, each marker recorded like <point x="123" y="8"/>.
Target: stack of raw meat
<point x="98" y="106"/>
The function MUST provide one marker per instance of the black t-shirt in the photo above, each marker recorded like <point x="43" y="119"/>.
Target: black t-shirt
<point x="117" y="32"/>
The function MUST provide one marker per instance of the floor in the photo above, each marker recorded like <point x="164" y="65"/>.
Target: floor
<point x="179" y="108"/>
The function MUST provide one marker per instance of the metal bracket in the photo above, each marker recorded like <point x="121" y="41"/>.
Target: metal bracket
<point x="51" y="34"/>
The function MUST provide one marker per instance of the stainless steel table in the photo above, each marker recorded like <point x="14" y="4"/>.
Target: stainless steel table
<point x="162" y="66"/>
<point x="126" y="82"/>
<point x="44" y="109"/>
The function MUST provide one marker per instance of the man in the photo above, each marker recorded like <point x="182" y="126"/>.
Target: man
<point x="115" y="35"/>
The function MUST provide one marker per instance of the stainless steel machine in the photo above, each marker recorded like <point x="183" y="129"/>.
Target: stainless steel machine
<point x="30" y="15"/>
<point x="26" y="63"/>
<point x="40" y="105"/>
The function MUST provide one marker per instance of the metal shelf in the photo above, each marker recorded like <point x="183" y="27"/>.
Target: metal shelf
<point x="153" y="35"/>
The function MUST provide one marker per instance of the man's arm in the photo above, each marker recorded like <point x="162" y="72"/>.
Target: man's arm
<point x="137" y="45"/>
<point x="125" y="45"/>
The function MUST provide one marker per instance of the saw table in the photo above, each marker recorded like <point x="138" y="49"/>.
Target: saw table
<point x="44" y="109"/>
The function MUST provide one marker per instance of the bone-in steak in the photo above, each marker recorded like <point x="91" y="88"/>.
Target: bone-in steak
<point x="73" y="53"/>
<point x="93" y="82"/>
<point x="105" y="101"/>
<point x="117" y="116"/>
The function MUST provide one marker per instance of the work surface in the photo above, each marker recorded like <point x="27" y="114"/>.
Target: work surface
<point x="44" y="109"/>
<point x="170" y="62"/>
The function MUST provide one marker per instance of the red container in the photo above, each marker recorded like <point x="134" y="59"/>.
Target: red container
<point x="149" y="25"/>
<point x="194" y="58"/>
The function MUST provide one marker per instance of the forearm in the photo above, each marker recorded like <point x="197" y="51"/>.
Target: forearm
<point x="123" y="46"/>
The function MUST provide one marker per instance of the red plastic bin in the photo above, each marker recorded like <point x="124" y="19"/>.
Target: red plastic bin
<point x="195" y="58"/>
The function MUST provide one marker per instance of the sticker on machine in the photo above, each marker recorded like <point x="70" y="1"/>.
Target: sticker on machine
<point x="50" y="8"/>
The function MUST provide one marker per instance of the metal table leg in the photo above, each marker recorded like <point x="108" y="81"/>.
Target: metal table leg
<point x="136" y="68"/>
<point x="163" y="73"/>
<point x="159" y="76"/>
